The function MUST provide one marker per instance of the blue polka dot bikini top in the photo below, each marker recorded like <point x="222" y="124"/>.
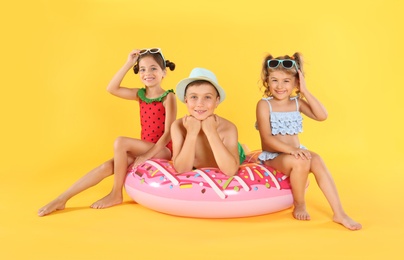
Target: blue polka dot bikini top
<point x="285" y="123"/>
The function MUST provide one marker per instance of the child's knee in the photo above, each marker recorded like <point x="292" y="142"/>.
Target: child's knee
<point x="301" y="165"/>
<point x="119" y="143"/>
<point x="316" y="159"/>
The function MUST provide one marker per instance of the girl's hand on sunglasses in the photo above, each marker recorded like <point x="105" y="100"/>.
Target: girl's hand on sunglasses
<point x="133" y="57"/>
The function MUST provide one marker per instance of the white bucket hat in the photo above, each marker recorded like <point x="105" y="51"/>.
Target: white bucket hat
<point x="199" y="74"/>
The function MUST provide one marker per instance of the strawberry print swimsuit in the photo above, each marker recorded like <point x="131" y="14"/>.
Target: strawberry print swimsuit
<point x="152" y="117"/>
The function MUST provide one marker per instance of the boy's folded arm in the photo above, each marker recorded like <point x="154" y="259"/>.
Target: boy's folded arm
<point x="226" y="151"/>
<point x="183" y="149"/>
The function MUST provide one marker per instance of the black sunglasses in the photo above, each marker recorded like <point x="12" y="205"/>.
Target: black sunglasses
<point x="287" y="64"/>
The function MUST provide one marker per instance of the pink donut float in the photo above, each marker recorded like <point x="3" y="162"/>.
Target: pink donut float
<point x="207" y="192"/>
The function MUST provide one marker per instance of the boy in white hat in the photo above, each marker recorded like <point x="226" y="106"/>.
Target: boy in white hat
<point x="202" y="138"/>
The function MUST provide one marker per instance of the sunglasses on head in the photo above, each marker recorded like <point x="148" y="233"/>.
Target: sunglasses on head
<point x="153" y="51"/>
<point x="287" y="64"/>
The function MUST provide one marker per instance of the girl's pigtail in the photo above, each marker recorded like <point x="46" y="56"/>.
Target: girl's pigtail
<point x="298" y="57"/>
<point x="136" y="68"/>
<point x="170" y="65"/>
<point x="265" y="74"/>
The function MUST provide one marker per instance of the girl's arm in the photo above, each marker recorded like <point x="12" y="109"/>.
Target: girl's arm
<point x="184" y="133"/>
<point x="225" y="151"/>
<point x="114" y="87"/>
<point x="269" y="142"/>
<point x="170" y="105"/>
<point x="311" y="107"/>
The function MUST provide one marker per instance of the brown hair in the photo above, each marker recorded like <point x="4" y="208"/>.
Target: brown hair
<point x="158" y="58"/>
<point x="200" y="82"/>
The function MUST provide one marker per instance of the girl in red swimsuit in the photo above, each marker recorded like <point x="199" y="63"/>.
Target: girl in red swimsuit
<point x="158" y="110"/>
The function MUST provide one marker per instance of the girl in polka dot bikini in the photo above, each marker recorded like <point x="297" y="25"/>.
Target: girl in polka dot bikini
<point x="158" y="110"/>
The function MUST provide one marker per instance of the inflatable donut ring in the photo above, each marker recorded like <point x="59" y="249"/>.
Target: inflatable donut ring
<point x="207" y="192"/>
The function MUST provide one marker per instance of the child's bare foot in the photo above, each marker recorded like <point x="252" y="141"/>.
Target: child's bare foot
<point x="56" y="204"/>
<point x="347" y="222"/>
<point x="108" y="201"/>
<point x="300" y="213"/>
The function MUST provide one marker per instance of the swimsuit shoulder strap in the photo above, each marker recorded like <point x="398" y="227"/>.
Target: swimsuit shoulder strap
<point x="297" y="102"/>
<point x="269" y="104"/>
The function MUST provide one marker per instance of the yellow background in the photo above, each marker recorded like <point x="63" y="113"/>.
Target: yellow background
<point x="58" y="122"/>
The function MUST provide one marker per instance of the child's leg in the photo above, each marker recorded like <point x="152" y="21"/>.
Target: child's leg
<point x="90" y="179"/>
<point x="298" y="171"/>
<point x="125" y="152"/>
<point x="329" y="189"/>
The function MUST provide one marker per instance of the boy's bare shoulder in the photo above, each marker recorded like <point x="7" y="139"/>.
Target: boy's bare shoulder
<point x="224" y="120"/>
<point x="225" y="124"/>
<point x="177" y="122"/>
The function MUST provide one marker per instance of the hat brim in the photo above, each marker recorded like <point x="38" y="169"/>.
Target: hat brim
<point x="182" y="85"/>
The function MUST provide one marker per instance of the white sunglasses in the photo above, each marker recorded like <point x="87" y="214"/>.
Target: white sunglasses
<point x="153" y="51"/>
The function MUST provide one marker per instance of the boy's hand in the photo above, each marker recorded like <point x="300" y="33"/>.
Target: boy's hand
<point x="191" y="124"/>
<point x="210" y="124"/>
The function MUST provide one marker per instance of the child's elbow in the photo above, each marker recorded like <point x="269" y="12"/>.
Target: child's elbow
<point x="323" y="117"/>
<point x="110" y="89"/>
<point x="231" y="171"/>
<point x="181" y="168"/>
<point x="231" y="174"/>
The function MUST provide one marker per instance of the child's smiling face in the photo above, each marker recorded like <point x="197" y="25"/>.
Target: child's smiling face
<point x="202" y="100"/>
